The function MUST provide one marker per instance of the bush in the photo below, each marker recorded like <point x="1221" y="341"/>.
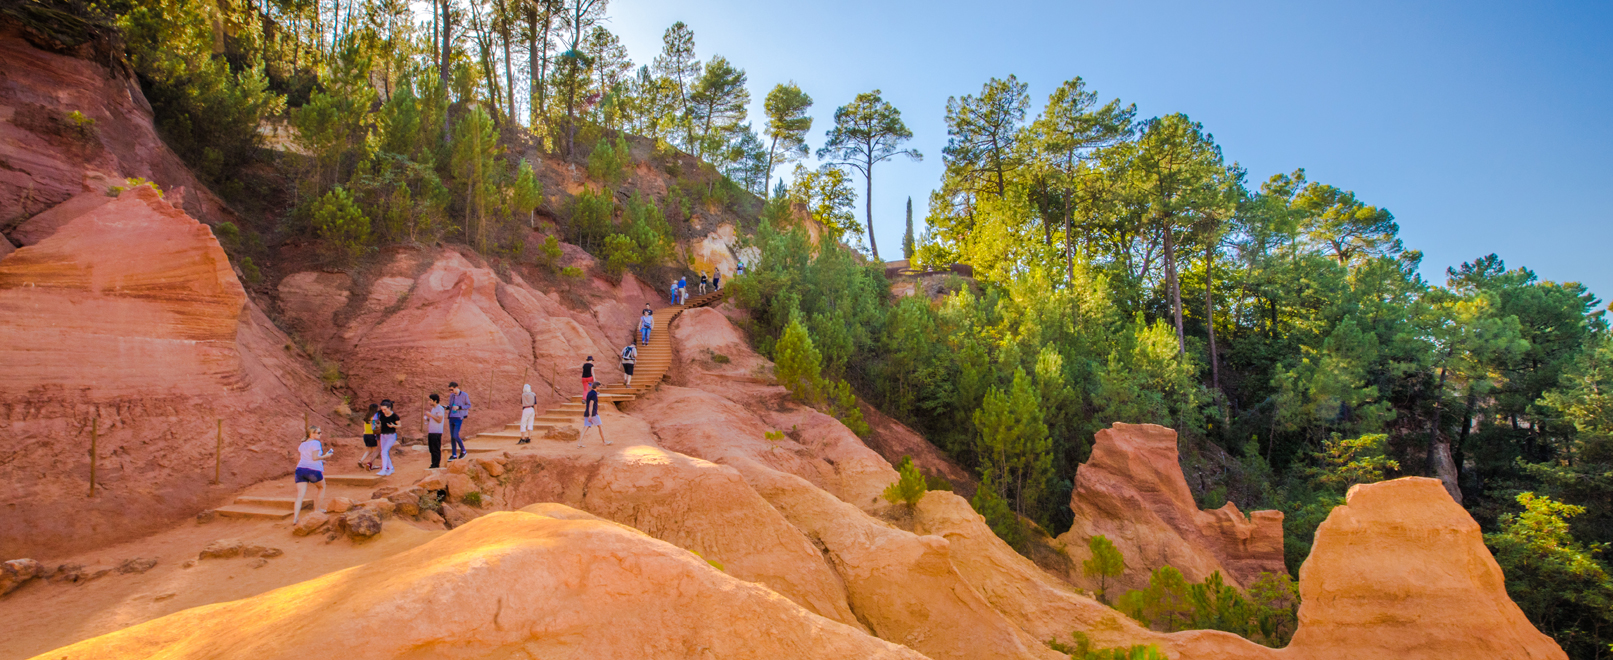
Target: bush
<point x="591" y="213"/>
<point x="1106" y="562"/>
<point x="1084" y="650"/>
<point x="910" y="487"/>
<point x="650" y="231"/>
<point x="1267" y="615"/>
<point x="999" y="517"/>
<point x="84" y="126"/>
<point x="341" y="225"/>
<point x="429" y="501"/>
<point x="549" y="253"/>
<point x="571" y="272"/>
<point x="473" y="498"/>
<point x="608" y="163"/>
<point x="249" y="271"/>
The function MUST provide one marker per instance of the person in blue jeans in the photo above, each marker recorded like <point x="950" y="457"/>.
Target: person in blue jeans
<point x="458" y="409"/>
<point x="646" y="321"/>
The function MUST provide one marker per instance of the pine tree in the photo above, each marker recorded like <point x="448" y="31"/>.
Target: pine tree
<point x="910" y="487"/>
<point x="1106" y="562"/>
<point x="868" y="131"/>
<point x="526" y="194"/>
<point x="1013" y="444"/>
<point x="787" y="125"/>
<point x="907" y="238"/>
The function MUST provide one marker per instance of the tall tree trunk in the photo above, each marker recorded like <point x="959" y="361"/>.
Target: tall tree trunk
<point x="442" y="71"/>
<point x="543" y="66"/>
<point x="767" y="183"/>
<point x="1069" y="245"/>
<point x="1439" y="447"/>
<point x="1173" y="286"/>
<point x="1209" y="315"/>
<point x="532" y="64"/>
<point x="509" y="72"/>
<point x="868" y="208"/>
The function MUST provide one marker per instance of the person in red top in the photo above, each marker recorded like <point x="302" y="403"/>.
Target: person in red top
<point x="588" y="373"/>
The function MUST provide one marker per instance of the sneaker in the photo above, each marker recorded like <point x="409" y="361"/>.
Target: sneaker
<point x="525" y="441"/>
<point x="607" y="442"/>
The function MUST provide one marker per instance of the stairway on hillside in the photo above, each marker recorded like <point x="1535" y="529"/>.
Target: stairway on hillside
<point x="653" y="362"/>
<point x="280" y="507"/>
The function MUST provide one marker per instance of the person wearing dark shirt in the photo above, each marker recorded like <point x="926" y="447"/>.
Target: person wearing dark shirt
<point x="386" y="426"/>
<point x="588" y="373"/>
<point x="590" y="415"/>
<point x="703" y="281"/>
<point x="716" y="280"/>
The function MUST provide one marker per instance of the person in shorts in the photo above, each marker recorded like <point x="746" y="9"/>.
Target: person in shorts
<point x="716" y="280"/>
<point x="386" y="426"/>
<point x="588" y="373"/>
<point x="629" y="360"/>
<point x="703" y="281"/>
<point x="590" y="415"/>
<point x="311" y="455"/>
<point x="529" y="404"/>
<point x="434" y="421"/>
<point x="370" y="439"/>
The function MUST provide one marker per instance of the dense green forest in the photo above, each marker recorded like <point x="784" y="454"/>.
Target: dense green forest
<point x="1124" y="268"/>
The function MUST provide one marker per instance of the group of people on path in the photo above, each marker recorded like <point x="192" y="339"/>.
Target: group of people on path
<point x="679" y="292"/>
<point x="381" y="420"/>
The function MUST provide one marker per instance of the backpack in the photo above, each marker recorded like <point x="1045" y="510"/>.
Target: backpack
<point x="629" y="353"/>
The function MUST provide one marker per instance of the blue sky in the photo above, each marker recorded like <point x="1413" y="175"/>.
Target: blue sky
<point x="1483" y="126"/>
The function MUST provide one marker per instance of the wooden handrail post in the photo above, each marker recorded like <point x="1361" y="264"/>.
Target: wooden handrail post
<point x="94" y="428"/>
<point x="218" y="454"/>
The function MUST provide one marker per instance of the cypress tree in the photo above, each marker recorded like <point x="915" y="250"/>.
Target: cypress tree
<point x="907" y="239"/>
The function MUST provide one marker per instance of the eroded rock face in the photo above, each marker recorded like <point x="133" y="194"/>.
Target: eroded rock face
<point x="1401" y="571"/>
<point x="505" y="585"/>
<point x="1132" y="491"/>
<point x="127" y="320"/>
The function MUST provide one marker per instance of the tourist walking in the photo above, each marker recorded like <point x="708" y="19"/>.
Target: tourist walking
<point x="683" y="290"/>
<point x="386" y="426"/>
<point x="590" y="415"/>
<point x="646" y="322"/>
<point x="629" y="360"/>
<point x="529" y="403"/>
<point x="716" y="280"/>
<point x="311" y="455"/>
<point x="703" y="281"/>
<point x="672" y="296"/>
<point x="458" y="410"/>
<point x="434" y="420"/>
<point x="587" y="373"/>
<point x="369" y="439"/>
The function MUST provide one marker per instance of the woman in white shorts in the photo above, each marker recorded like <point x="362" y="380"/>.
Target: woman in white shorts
<point x="529" y="402"/>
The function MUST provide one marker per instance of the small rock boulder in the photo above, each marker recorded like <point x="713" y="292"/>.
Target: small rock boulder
<point x="271" y="553"/>
<point x="310" y="523"/>
<point x="435" y="481"/>
<point x="339" y="505"/>
<point x="458" y="467"/>
<point x="206" y="517"/>
<point x="222" y="549"/>
<point x="459" y="485"/>
<point x="494" y="467"/>
<point x="431" y="517"/>
<point x="563" y="434"/>
<point x="137" y="565"/>
<point x="361" y="523"/>
<point x="406" y="503"/>
<point x="96" y="573"/>
<point x="17" y="571"/>
<point x="453" y="517"/>
<point x="67" y="573"/>
<point x="381" y="508"/>
<point x="383" y="492"/>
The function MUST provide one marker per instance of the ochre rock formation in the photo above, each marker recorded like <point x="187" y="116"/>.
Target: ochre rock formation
<point x="1131" y="490"/>
<point x="129" y="319"/>
<point x="1401" y="571"/>
<point x="46" y="160"/>
<point x="512" y="584"/>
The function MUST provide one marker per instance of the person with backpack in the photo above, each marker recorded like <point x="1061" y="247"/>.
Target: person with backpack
<point x="646" y="322"/>
<point x="434" y="419"/>
<point x="386" y="426"/>
<point x="629" y="360"/>
<point x="311" y="455"/>
<point x="458" y="410"/>
<point x="369" y="438"/>
<point x="529" y="403"/>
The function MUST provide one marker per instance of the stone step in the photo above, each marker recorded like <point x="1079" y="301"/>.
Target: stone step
<point x="483" y="447"/>
<point x="369" y="479"/>
<point x="274" y="502"/>
<point x="254" y="512"/>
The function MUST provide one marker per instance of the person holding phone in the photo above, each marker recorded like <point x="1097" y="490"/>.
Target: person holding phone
<point x="311" y="455"/>
<point x="386" y="425"/>
<point x="458" y="410"/>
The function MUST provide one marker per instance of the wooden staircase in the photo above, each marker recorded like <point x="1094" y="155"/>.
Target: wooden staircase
<point x="653" y="362"/>
<point x="280" y="507"/>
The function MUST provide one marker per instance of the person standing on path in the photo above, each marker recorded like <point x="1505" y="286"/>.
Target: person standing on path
<point x="646" y="322"/>
<point x="369" y="438"/>
<point x="672" y="297"/>
<point x="529" y="402"/>
<point x="683" y="289"/>
<point x="458" y="410"/>
<point x="716" y="280"/>
<point x="588" y="373"/>
<point x="434" y="419"/>
<point x="590" y="415"/>
<point x="703" y="282"/>
<point x="386" y="426"/>
<point x="311" y="455"/>
<point x="629" y="360"/>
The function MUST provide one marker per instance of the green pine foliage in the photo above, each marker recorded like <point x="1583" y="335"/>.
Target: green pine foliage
<point x="341" y="225"/>
<point x="999" y="516"/>
<point x="621" y="253"/>
<point x="910" y="487"/>
<point x="1267" y="613"/>
<point x="1082" y="648"/>
<point x="1106" y="562"/>
<point x="591" y="219"/>
<point x="1558" y="581"/>
<point x="609" y="162"/>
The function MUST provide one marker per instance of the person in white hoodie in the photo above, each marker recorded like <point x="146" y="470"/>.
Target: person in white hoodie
<point x="529" y="403"/>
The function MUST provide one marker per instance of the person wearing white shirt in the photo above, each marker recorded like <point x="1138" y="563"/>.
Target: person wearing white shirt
<point x="311" y="455"/>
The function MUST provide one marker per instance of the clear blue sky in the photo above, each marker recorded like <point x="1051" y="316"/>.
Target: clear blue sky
<point x="1483" y="126"/>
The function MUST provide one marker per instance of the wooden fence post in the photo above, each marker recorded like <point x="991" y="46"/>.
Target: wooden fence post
<point x="218" y="454"/>
<point x="94" y="428"/>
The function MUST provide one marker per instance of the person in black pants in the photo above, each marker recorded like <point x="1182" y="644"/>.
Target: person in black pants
<point x="434" y="421"/>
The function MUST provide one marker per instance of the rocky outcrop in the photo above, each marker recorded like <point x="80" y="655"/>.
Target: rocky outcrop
<point x="506" y="585"/>
<point x="1401" y="571"/>
<point x="128" y="321"/>
<point x="47" y="158"/>
<point x="1132" y="491"/>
